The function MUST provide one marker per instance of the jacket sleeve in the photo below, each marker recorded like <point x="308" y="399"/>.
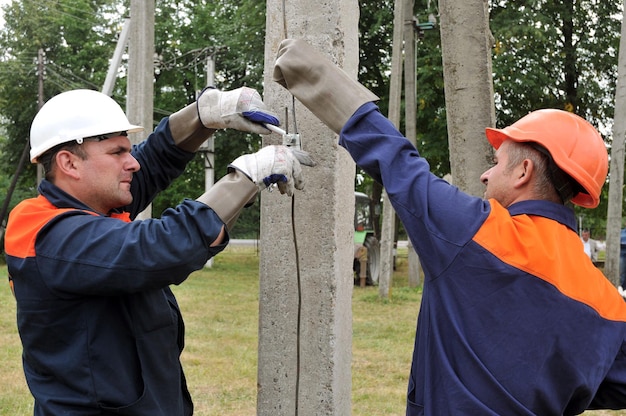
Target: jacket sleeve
<point x="161" y="162"/>
<point x="612" y="391"/>
<point x="439" y="218"/>
<point x="84" y="254"/>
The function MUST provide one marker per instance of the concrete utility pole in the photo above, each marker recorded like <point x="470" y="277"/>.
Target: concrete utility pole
<point x="122" y="41"/>
<point x="466" y="44"/>
<point x="40" y="101"/>
<point x="208" y="147"/>
<point x="410" y="105"/>
<point x="616" y="181"/>
<point x="305" y="317"/>
<point x="410" y="115"/>
<point x="140" y="88"/>
<point x="388" y="228"/>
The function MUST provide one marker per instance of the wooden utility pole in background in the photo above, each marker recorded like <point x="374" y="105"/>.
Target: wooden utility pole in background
<point x="410" y="114"/>
<point x="616" y="175"/>
<point x="40" y="101"/>
<point x="140" y="88"/>
<point x="208" y="147"/>
<point x="388" y="228"/>
<point x="466" y="44"/>
<point x="114" y="66"/>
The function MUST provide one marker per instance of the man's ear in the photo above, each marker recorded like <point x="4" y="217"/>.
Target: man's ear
<point x="524" y="173"/>
<point x="66" y="164"/>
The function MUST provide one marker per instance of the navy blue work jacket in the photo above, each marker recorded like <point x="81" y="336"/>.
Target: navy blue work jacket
<point x="514" y="318"/>
<point x="101" y="330"/>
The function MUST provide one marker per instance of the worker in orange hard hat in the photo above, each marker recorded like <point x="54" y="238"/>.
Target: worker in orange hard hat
<point x="572" y="151"/>
<point x="514" y="318"/>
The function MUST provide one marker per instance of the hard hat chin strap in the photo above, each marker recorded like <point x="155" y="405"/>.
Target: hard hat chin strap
<point x="565" y="186"/>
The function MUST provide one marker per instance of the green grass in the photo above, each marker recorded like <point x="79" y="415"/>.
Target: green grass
<point x="220" y="307"/>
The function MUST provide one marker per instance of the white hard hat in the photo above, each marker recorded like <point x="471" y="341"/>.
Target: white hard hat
<point x="74" y="115"/>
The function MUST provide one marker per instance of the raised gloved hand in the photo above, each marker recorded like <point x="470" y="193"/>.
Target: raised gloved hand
<point x="280" y="165"/>
<point x="319" y="84"/>
<point x="240" y="109"/>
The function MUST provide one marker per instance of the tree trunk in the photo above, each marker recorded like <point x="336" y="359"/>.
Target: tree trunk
<point x="410" y="114"/>
<point x="395" y="97"/>
<point x="616" y="174"/>
<point x="466" y="43"/>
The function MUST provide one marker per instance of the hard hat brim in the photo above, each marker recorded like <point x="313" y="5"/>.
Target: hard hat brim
<point x="39" y="150"/>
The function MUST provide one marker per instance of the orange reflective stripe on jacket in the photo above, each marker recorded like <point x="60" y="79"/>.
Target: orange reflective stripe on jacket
<point x="523" y="242"/>
<point x="33" y="215"/>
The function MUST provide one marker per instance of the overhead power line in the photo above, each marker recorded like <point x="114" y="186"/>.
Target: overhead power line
<point x="54" y="6"/>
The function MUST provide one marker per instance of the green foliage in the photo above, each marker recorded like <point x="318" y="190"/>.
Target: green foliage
<point x="187" y="34"/>
<point x="552" y="54"/>
<point x="376" y="38"/>
<point x="432" y="133"/>
<point x="76" y="39"/>
<point x="563" y="55"/>
<point x="546" y="54"/>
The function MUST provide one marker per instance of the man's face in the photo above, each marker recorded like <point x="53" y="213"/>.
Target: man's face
<point x="106" y="174"/>
<point x="499" y="179"/>
<point x="585" y="235"/>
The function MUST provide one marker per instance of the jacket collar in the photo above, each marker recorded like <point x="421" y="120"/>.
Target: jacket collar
<point x="557" y="212"/>
<point x="61" y="199"/>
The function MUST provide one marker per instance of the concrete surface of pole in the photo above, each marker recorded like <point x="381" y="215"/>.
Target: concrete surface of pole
<point x="410" y="114"/>
<point x="614" y="222"/>
<point x="208" y="147"/>
<point x="140" y="86"/>
<point x="306" y="282"/>
<point x="466" y="44"/>
<point x="388" y="228"/>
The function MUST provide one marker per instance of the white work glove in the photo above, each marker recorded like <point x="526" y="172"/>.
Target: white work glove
<point x="240" y="109"/>
<point x="280" y="165"/>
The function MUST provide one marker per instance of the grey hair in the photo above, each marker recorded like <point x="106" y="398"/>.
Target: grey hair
<point x="551" y="181"/>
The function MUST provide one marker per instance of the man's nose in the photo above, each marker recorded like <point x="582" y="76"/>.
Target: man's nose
<point x="133" y="164"/>
<point x="484" y="178"/>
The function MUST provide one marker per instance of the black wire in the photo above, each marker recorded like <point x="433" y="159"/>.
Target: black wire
<point x="295" y="244"/>
<point x="295" y="240"/>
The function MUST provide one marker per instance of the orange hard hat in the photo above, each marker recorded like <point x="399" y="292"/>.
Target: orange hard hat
<point x="574" y="144"/>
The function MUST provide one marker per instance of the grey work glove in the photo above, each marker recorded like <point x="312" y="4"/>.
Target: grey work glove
<point x="278" y="165"/>
<point x="187" y="131"/>
<point x="240" y="109"/>
<point x="325" y="89"/>
<point x="229" y="196"/>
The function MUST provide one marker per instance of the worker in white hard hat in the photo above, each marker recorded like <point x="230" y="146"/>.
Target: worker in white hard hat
<point x="514" y="318"/>
<point x="100" y="328"/>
